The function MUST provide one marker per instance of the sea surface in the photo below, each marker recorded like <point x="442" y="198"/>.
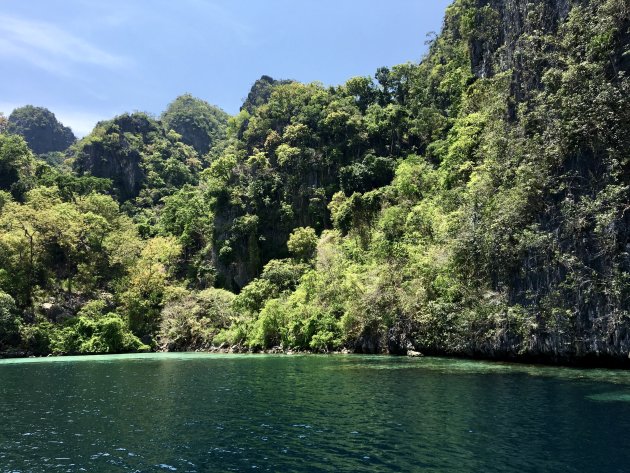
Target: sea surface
<point x="216" y="413"/>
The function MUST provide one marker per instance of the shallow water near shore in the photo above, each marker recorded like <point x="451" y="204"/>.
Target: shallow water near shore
<point x="197" y="412"/>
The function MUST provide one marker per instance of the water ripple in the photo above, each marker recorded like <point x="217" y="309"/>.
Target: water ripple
<point x="197" y="413"/>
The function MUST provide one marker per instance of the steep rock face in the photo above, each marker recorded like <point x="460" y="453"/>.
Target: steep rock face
<point x="543" y="245"/>
<point x="504" y="41"/>
<point x="584" y="270"/>
<point x="513" y="19"/>
<point x="507" y="22"/>
<point x="200" y="124"/>
<point x="112" y="152"/>
<point x="40" y="128"/>
<point x="237" y="260"/>
<point x="582" y="267"/>
<point x="260" y="92"/>
<point x="144" y="161"/>
<point x="501" y="43"/>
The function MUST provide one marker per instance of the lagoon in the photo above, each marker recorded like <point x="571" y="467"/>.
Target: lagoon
<point x="197" y="412"/>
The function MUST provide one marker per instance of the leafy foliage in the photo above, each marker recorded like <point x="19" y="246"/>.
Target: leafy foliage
<point x="200" y="125"/>
<point x="191" y="320"/>
<point x="144" y="162"/>
<point x="474" y="204"/>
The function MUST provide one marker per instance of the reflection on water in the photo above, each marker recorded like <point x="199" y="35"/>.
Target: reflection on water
<point x="615" y="396"/>
<point x="199" y="412"/>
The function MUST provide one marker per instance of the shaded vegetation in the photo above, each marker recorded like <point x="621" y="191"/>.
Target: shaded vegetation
<point x="473" y="204"/>
<point x="40" y="128"/>
<point x="200" y="125"/>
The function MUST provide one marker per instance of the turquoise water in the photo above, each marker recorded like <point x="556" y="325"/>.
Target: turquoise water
<point x="206" y="413"/>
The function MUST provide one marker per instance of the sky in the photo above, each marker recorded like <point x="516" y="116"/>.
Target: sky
<point x="89" y="60"/>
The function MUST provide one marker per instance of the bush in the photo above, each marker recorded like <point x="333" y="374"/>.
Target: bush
<point x="36" y="338"/>
<point x="192" y="320"/>
<point x="303" y="243"/>
<point x="253" y="296"/>
<point x="270" y="329"/>
<point x="87" y="335"/>
<point x="284" y="274"/>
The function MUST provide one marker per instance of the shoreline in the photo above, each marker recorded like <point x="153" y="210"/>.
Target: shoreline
<point x="591" y="361"/>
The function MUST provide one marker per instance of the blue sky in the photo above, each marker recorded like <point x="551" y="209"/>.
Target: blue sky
<point x="89" y="60"/>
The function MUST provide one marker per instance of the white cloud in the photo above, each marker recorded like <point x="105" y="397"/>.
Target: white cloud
<point x="48" y="47"/>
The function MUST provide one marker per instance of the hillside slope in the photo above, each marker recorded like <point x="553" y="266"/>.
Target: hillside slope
<point x="505" y="230"/>
<point x="474" y="204"/>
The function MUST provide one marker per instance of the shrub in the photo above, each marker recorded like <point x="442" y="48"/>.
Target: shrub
<point x="192" y="320"/>
<point x="84" y="334"/>
<point x="302" y="243"/>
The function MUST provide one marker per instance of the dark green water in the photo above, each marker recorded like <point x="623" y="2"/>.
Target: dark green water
<point x="205" y="413"/>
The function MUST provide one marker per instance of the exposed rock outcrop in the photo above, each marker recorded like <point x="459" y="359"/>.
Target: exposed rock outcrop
<point x="41" y="129"/>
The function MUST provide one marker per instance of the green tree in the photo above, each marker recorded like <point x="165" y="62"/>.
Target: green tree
<point x="10" y="322"/>
<point x="17" y="166"/>
<point x="302" y="243"/>
<point x="149" y="279"/>
<point x="4" y="123"/>
<point x="191" y="320"/>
